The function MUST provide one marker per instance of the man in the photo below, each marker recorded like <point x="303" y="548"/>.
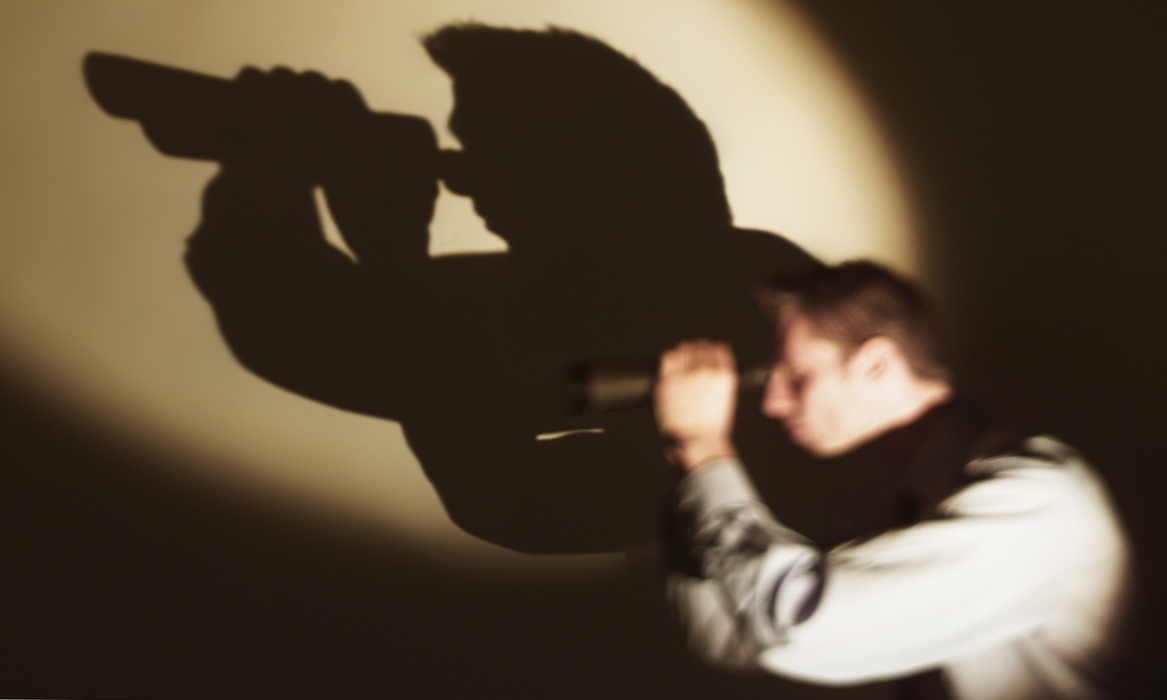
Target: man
<point x="997" y="569"/>
<point x="606" y="189"/>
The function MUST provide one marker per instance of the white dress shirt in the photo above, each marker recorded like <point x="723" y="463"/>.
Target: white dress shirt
<point x="1012" y="588"/>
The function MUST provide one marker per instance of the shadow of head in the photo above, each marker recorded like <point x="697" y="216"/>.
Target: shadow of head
<point x="559" y="130"/>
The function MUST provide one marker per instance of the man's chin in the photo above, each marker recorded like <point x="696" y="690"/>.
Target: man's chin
<point x="806" y="444"/>
<point x="838" y="449"/>
<point x="818" y="449"/>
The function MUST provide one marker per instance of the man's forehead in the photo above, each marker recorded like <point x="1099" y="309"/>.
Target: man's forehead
<point x="796" y="328"/>
<point x="800" y="341"/>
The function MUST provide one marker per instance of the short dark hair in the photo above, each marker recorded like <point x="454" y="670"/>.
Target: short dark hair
<point x="858" y="300"/>
<point x="607" y="126"/>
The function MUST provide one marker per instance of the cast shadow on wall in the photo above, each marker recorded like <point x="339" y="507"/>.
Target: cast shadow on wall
<point x="607" y="190"/>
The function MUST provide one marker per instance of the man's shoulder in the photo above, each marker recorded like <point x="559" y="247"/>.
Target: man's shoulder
<point x="1036" y="452"/>
<point x="1040" y="473"/>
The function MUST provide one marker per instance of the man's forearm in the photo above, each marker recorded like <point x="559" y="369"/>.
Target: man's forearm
<point x="691" y="455"/>
<point x="768" y="575"/>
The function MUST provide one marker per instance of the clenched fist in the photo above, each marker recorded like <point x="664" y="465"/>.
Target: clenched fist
<point x="696" y="393"/>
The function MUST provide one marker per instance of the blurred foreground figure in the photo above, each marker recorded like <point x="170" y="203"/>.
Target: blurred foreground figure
<point x="997" y="571"/>
<point x="607" y="191"/>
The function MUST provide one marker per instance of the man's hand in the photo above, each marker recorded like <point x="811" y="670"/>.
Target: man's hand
<point x="695" y="397"/>
<point x="295" y="122"/>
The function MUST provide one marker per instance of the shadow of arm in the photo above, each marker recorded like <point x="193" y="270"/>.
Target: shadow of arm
<point x="293" y="309"/>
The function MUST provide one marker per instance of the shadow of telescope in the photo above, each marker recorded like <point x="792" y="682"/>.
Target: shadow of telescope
<point x="194" y="115"/>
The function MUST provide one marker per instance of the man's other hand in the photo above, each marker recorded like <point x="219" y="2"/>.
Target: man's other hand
<point x="696" y="393"/>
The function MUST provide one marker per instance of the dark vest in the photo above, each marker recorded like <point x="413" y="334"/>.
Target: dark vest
<point x="931" y="453"/>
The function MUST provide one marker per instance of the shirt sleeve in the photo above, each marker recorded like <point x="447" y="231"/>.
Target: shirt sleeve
<point x="899" y="603"/>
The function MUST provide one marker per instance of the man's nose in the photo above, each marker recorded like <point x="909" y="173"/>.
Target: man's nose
<point x="778" y="402"/>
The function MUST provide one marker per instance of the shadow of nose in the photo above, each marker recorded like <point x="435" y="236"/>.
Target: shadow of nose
<point x="452" y="170"/>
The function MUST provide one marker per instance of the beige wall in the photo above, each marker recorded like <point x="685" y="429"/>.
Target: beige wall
<point x="95" y="306"/>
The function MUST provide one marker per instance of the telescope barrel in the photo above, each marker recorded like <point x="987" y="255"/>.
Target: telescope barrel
<point x="599" y="387"/>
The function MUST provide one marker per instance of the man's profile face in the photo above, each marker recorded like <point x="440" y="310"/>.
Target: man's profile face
<point x="496" y="168"/>
<point x="474" y="171"/>
<point x="819" y="392"/>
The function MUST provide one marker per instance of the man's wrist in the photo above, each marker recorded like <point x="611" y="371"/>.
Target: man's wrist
<point x="690" y="455"/>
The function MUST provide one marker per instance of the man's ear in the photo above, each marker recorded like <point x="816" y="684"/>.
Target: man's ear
<point x="876" y="358"/>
